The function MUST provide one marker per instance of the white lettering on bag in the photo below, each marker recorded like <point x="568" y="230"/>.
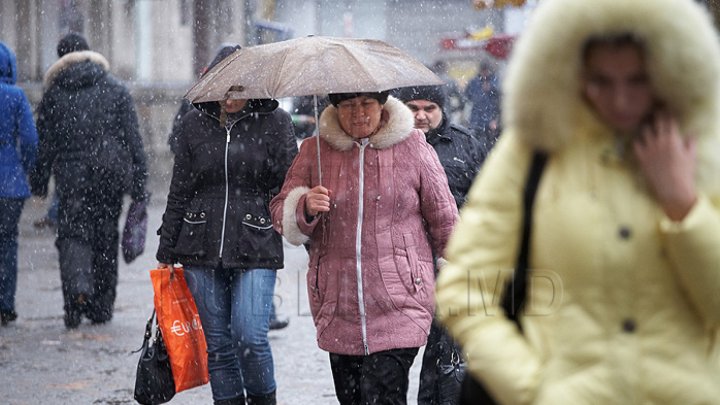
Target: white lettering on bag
<point x="180" y="328"/>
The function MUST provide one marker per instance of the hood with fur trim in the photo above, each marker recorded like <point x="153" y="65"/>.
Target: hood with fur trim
<point x="543" y="104"/>
<point x="398" y="124"/>
<point x="71" y="59"/>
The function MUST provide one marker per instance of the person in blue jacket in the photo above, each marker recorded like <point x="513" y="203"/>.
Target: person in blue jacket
<point x="18" y="148"/>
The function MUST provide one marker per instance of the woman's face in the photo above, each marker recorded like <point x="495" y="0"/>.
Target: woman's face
<point x="360" y="116"/>
<point x="617" y="86"/>
<point x="233" y="106"/>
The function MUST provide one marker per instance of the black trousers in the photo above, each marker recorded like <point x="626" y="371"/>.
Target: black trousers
<point x="442" y="369"/>
<point x="90" y="203"/>
<point x="379" y="378"/>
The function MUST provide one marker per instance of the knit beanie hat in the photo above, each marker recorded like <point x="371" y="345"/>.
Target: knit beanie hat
<point x="436" y="94"/>
<point x="71" y="42"/>
<point x="337" y="98"/>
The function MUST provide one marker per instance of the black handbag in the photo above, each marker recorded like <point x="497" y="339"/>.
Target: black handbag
<point x="472" y="391"/>
<point x="154" y="382"/>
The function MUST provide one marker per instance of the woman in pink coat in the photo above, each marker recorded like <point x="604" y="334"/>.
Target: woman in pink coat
<point x="374" y="224"/>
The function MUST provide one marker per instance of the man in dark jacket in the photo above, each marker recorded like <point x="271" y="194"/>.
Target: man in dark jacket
<point x="461" y="155"/>
<point x="89" y="140"/>
<point x="483" y="91"/>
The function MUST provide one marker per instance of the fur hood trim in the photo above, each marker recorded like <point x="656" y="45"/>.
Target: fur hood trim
<point x="399" y="125"/>
<point x="542" y="101"/>
<point x="71" y="59"/>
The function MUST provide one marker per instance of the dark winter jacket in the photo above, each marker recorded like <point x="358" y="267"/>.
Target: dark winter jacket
<point x="484" y="94"/>
<point x="223" y="180"/>
<point x="185" y="107"/>
<point x="86" y="116"/>
<point x="18" y="139"/>
<point x="460" y="154"/>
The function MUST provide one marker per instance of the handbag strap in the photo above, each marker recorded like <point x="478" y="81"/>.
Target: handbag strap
<point x="148" y="333"/>
<point x="516" y="291"/>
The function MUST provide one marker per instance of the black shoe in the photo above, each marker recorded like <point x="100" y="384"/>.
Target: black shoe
<point x="235" y="401"/>
<point x="268" y="399"/>
<point x="74" y="311"/>
<point x="276" y="323"/>
<point x="99" y="321"/>
<point x="7" y="317"/>
<point x="72" y="319"/>
<point x="45" y="222"/>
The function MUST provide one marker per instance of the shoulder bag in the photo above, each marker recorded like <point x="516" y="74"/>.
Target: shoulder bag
<point x="472" y="391"/>
<point x="154" y="382"/>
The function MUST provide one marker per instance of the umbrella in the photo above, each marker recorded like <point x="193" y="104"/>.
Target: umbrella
<point x="310" y="66"/>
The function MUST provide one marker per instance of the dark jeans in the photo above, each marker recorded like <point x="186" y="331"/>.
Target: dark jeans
<point x="442" y="369"/>
<point x="234" y="308"/>
<point x="379" y="378"/>
<point x="10" y="210"/>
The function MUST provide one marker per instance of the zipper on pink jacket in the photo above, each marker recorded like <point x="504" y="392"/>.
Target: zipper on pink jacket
<point x="358" y="244"/>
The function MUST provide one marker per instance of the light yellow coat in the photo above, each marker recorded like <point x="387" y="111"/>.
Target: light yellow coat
<point x="625" y="304"/>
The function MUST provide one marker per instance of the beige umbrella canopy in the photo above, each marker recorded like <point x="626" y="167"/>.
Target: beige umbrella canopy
<point x="310" y="66"/>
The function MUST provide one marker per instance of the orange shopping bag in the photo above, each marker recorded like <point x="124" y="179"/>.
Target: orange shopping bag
<point x="181" y="329"/>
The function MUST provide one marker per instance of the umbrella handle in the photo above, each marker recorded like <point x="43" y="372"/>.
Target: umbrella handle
<point x="317" y="139"/>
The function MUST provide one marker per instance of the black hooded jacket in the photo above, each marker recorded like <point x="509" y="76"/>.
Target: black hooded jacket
<point x="88" y="116"/>
<point x="460" y="154"/>
<point x="223" y="180"/>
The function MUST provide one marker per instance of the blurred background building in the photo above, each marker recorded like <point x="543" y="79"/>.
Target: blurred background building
<point x="160" y="46"/>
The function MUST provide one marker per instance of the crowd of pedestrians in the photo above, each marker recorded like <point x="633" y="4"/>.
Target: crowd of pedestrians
<point x="388" y="193"/>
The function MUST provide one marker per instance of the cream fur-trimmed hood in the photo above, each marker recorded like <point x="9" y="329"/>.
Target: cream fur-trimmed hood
<point x="398" y="127"/>
<point x="70" y="59"/>
<point x="542" y="103"/>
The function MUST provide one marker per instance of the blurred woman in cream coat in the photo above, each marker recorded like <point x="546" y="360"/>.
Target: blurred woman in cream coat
<point x="625" y="245"/>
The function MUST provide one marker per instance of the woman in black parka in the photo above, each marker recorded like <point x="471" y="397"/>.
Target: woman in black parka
<point x="231" y="159"/>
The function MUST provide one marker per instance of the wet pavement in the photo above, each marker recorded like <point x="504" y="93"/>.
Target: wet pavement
<point x="41" y="362"/>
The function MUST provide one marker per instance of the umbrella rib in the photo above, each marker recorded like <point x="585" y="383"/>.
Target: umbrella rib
<point x="278" y="75"/>
<point x="368" y="76"/>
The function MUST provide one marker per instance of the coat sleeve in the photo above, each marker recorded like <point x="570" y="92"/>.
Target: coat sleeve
<point x="47" y="148"/>
<point x="182" y="189"/>
<point x="288" y="207"/>
<point x="692" y="246"/>
<point x="437" y="204"/>
<point x="284" y="148"/>
<point x="27" y="133"/>
<point x="480" y="257"/>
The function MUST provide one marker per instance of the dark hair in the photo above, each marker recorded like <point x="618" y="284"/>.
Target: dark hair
<point x="614" y="40"/>
<point x="71" y="42"/>
<point x="337" y="98"/>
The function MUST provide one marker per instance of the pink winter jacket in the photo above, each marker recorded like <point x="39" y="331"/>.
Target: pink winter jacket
<point x="370" y="277"/>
